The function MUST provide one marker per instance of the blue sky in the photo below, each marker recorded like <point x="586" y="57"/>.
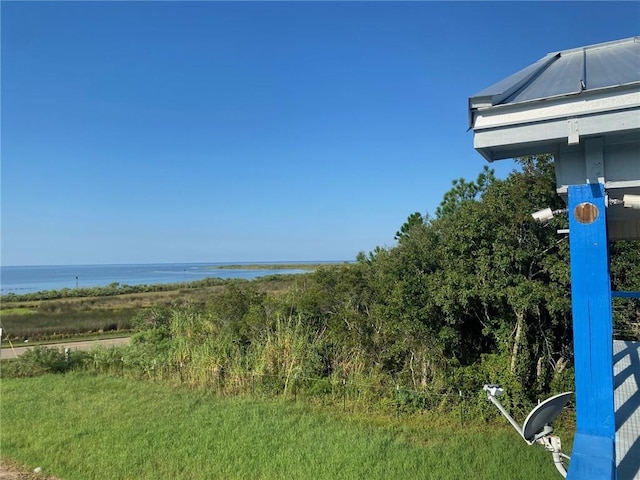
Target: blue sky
<point x="141" y="132"/>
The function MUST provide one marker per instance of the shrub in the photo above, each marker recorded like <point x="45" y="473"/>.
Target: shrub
<point x="41" y="360"/>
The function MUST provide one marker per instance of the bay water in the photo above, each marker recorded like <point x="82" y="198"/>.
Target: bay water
<point x="28" y="279"/>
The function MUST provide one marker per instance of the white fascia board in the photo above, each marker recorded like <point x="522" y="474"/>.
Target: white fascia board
<point x="587" y="103"/>
<point x="552" y="133"/>
<point x="622" y="184"/>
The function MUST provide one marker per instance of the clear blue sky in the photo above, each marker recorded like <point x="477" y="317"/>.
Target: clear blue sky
<point x="250" y="131"/>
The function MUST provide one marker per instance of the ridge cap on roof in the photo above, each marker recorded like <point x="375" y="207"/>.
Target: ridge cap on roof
<point x="596" y="46"/>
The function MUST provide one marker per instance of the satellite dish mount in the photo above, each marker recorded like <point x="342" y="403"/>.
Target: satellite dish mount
<point x="537" y="426"/>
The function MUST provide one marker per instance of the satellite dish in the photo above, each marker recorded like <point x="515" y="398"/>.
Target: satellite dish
<point x="537" y="426"/>
<point x="538" y="422"/>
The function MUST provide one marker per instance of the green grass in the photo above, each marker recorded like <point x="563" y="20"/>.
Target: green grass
<point x="78" y="426"/>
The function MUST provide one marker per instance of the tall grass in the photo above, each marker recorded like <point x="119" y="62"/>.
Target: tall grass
<point x="78" y="426"/>
<point x="286" y="358"/>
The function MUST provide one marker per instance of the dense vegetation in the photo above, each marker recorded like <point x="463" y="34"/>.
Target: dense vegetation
<point x="477" y="293"/>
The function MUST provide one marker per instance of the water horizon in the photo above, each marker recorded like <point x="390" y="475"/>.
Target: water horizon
<point x="20" y="279"/>
<point x="216" y="264"/>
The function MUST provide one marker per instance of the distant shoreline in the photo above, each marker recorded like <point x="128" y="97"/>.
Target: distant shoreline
<point x="31" y="279"/>
<point x="273" y="266"/>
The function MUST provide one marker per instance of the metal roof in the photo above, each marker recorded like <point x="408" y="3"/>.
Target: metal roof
<point x="569" y="72"/>
<point x="580" y="105"/>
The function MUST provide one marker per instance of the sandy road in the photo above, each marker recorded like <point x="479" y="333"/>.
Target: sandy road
<point x="8" y="352"/>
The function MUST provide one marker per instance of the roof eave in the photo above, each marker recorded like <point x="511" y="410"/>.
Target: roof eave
<point x="588" y="102"/>
<point x="549" y="136"/>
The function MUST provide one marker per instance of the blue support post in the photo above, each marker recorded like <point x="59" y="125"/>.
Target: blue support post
<point x="593" y="454"/>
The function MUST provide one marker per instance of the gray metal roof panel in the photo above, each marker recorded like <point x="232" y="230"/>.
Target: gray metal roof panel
<point x="568" y="72"/>
<point x="501" y="90"/>
<point x="614" y="66"/>
<point x="561" y="77"/>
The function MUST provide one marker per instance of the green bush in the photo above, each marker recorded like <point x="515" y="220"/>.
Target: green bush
<point x="41" y="360"/>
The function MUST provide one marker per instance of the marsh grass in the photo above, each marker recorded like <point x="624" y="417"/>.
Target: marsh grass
<point x="18" y="311"/>
<point x="72" y="316"/>
<point x="38" y="326"/>
<point x="79" y="426"/>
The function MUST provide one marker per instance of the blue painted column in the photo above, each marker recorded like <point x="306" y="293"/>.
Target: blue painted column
<point x="593" y="454"/>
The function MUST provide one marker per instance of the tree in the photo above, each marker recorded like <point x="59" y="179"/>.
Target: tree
<point x="463" y="191"/>
<point x="415" y="220"/>
<point x="483" y="277"/>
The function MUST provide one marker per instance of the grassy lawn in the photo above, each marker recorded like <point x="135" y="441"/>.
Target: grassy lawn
<point x="78" y="426"/>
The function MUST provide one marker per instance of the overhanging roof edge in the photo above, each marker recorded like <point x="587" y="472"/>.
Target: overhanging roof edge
<point x="627" y="93"/>
<point x="584" y="94"/>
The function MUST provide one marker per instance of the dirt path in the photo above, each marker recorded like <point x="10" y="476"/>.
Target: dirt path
<point x="10" y="471"/>
<point x="8" y="352"/>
